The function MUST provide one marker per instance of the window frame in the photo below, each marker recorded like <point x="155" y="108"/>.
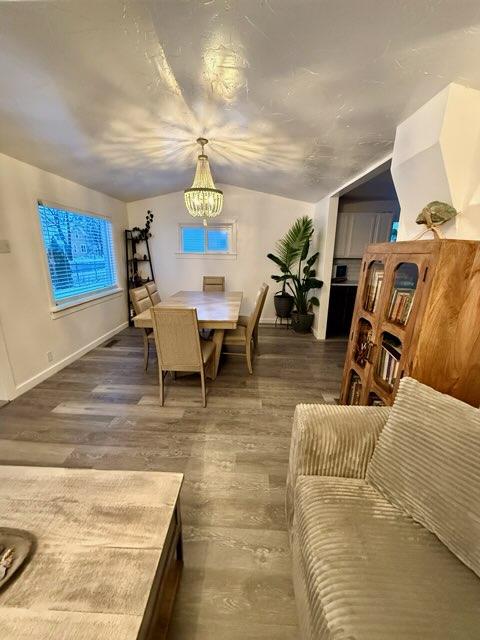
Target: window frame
<point x="66" y="306"/>
<point x="230" y="227"/>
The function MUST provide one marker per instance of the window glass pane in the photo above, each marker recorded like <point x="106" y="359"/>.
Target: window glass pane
<point x="217" y="240"/>
<point x="394" y="231"/>
<point x="193" y="240"/>
<point x="79" y="252"/>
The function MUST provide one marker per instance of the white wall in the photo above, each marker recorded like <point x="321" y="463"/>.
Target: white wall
<point x="325" y="219"/>
<point x="28" y="327"/>
<point x="261" y="220"/>
<point x="437" y="157"/>
<point x="6" y="379"/>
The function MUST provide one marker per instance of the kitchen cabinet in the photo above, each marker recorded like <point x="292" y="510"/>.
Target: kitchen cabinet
<point x="356" y="230"/>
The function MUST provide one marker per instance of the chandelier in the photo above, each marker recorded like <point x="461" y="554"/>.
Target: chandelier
<point x="202" y="199"/>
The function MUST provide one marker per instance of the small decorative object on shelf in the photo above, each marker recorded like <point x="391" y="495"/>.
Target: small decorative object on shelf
<point x="364" y="343"/>
<point x="433" y="216"/>
<point x="416" y="314"/>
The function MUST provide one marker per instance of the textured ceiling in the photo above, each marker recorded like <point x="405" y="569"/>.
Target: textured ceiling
<point x="297" y="96"/>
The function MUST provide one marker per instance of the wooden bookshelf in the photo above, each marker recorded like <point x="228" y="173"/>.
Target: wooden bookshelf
<point x="417" y="313"/>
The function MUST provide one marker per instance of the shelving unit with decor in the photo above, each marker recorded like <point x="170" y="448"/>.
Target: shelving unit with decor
<point x="417" y="313"/>
<point x="138" y="261"/>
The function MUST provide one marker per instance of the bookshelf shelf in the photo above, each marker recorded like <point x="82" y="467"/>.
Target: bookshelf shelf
<point x="416" y="314"/>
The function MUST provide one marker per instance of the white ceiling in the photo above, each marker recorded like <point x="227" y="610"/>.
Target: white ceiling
<point x="297" y="96"/>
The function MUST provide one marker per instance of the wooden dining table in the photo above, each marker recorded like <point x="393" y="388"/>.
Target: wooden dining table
<point x="217" y="310"/>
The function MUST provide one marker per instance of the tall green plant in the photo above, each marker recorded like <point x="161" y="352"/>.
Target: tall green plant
<point x="297" y="269"/>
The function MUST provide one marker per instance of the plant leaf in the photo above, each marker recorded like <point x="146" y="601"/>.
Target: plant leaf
<point x="308" y="272"/>
<point x="289" y="248"/>
<point x="315" y="301"/>
<point x="305" y="249"/>
<point x="278" y="261"/>
<point x="312" y="283"/>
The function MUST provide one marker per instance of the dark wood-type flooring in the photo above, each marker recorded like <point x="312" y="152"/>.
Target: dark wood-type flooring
<point x="102" y="412"/>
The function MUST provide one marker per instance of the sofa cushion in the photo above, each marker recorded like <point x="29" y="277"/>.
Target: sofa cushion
<point x="364" y="570"/>
<point x="427" y="461"/>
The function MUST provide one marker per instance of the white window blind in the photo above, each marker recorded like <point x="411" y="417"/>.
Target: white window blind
<point x="200" y="239"/>
<point x="79" y="251"/>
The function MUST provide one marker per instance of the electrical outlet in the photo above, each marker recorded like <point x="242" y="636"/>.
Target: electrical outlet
<point x="49" y="356"/>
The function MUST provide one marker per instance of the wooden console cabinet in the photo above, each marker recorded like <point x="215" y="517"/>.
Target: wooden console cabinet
<point x="417" y="313"/>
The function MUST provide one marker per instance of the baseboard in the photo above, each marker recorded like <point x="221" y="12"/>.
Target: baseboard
<point x="271" y="321"/>
<point x="54" y="368"/>
<point x="267" y="321"/>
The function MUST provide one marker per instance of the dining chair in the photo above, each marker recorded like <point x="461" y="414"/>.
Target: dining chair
<point x="179" y="346"/>
<point x="214" y="283"/>
<point x="141" y="302"/>
<point x="153" y="292"/>
<point x="246" y="333"/>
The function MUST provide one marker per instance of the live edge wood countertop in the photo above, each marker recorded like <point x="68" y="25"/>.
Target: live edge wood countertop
<point x="100" y="537"/>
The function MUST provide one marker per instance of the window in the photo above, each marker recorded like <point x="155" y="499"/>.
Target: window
<point x="79" y="251"/>
<point x="200" y="239"/>
<point x="394" y="231"/>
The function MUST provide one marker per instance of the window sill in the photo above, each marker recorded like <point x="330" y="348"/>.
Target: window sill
<point x="208" y="256"/>
<point x="65" y="309"/>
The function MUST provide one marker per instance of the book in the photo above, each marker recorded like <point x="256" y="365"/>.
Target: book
<point x="400" y="306"/>
<point x="355" y="390"/>
<point x="388" y="362"/>
<point x="373" y="288"/>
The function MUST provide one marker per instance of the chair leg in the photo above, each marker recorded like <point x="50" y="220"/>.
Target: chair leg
<point x="204" y="393"/>
<point x="146" y="351"/>
<point x="162" y="395"/>
<point x="248" y="353"/>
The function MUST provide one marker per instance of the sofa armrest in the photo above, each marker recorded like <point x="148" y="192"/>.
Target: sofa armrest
<point x="332" y="440"/>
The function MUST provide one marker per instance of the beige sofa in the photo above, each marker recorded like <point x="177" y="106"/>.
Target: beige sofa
<point x="383" y="506"/>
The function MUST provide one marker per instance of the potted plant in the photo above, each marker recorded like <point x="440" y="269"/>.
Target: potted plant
<point x="298" y="273"/>
<point x="144" y="234"/>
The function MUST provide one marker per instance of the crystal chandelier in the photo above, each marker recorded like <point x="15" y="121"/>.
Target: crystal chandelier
<point x="202" y="199"/>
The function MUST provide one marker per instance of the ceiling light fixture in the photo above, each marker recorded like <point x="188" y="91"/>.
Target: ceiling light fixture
<point x="203" y="200"/>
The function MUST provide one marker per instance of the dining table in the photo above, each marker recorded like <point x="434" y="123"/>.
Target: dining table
<point x="216" y="310"/>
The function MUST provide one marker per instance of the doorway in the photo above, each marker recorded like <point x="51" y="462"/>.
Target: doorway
<point x="368" y="212"/>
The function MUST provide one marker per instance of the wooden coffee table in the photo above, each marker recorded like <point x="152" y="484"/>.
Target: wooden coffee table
<point x="108" y="556"/>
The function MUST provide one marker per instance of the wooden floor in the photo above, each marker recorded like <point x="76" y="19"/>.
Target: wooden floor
<point x="102" y="412"/>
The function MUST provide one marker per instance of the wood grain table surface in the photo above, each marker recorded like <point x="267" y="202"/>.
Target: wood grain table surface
<point x="100" y="535"/>
<point x="217" y="310"/>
